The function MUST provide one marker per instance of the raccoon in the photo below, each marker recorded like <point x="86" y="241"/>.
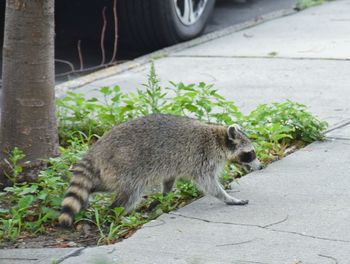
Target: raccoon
<point x="157" y="148"/>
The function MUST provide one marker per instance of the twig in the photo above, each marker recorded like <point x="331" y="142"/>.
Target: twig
<point x="115" y="47"/>
<point x="103" y="63"/>
<point x="66" y="62"/>
<point x="89" y="69"/>
<point x="80" y="56"/>
<point x="103" y="33"/>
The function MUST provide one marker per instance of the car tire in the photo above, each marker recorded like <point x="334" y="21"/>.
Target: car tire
<point x="152" y="24"/>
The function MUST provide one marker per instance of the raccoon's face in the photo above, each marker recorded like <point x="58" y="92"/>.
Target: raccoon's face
<point x="241" y="150"/>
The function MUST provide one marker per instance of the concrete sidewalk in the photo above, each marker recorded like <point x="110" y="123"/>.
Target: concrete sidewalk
<point x="298" y="213"/>
<point x="299" y="207"/>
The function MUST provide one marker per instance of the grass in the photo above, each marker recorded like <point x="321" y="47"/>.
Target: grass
<point x="28" y="209"/>
<point x="303" y="4"/>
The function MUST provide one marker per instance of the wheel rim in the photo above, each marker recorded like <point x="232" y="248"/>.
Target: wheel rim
<point x="189" y="11"/>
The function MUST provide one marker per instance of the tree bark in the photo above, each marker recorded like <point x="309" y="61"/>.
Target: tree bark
<point x="28" y="118"/>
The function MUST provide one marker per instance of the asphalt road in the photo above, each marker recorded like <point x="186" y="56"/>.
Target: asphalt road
<point x="230" y="12"/>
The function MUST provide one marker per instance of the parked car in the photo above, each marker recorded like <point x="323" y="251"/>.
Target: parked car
<point x="152" y="24"/>
<point x="143" y="26"/>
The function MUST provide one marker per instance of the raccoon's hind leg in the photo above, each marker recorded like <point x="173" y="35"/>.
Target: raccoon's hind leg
<point x="168" y="185"/>
<point x="127" y="199"/>
<point x="211" y="186"/>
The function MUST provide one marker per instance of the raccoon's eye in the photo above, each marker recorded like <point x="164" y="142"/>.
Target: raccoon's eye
<point x="247" y="157"/>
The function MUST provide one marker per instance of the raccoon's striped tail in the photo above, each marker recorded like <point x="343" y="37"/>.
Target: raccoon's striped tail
<point x="76" y="197"/>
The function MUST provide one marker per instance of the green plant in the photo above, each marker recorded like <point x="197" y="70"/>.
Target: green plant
<point x="272" y="54"/>
<point x="13" y="162"/>
<point x="187" y="190"/>
<point x="201" y="101"/>
<point x="276" y="126"/>
<point x="184" y="192"/>
<point x="89" y="118"/>
<point x="112" y="224"/>
<point x="32" y="205"/>
<point x="231" y="174"/>
<point x="303" y="4"/>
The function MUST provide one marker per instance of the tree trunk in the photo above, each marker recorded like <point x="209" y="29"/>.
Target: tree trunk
<point x="27" y="105"/>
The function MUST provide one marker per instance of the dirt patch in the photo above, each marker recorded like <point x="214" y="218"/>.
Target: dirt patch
<point x="87" y="236"/>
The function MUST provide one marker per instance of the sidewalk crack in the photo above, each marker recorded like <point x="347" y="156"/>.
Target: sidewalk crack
<point x="338" y="138"/>
<point x="75" y="253"/>
<point x="265" y="227"/>
<point x="236" y="243"/>
<point x="329" y="257"/>
<point x="276" y="223"/>
<point x="232" y="223"/>
<point x="342" y="124"/>
<point x="309" y="236"/>
<point x="214" y="222"/>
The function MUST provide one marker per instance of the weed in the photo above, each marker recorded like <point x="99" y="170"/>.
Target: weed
<point x="272" y="54"/>
<point x="13" y="162"/>
<point x="31" y="206"/>
<point x="303" y="4"/>
<point x="276" y="126"/>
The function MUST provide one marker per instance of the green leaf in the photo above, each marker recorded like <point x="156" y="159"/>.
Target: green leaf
<point x="25" y="202"/>
<point x="191" y="108"/>
<point x="106" y="90"/>
<point x="31" y="189"/>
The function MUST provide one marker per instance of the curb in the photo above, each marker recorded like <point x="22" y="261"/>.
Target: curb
<point x="63" y="88"/>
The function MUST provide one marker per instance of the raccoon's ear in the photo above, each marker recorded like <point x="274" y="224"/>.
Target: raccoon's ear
<point x="232" y="131"/>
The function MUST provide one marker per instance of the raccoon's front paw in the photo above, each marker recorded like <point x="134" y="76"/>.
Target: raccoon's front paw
<point x="237" y="202"/>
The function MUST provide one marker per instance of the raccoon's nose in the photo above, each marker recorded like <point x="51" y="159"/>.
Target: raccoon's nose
<point x="256" y="165"/>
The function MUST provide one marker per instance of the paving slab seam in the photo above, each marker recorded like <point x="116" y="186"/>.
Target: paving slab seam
<point x="338" y="138"/>
<point x="75" y="253"/>
<point x="265" y="227"/>
<point x="13" y="259"/>
<point x="339" y="125"/>
<point x="257" y="57"/>
<point x="309" y="236"/>
<point x="63" y="88"/>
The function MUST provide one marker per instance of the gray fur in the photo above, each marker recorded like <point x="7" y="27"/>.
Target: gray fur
<point x="160" y="148"/>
